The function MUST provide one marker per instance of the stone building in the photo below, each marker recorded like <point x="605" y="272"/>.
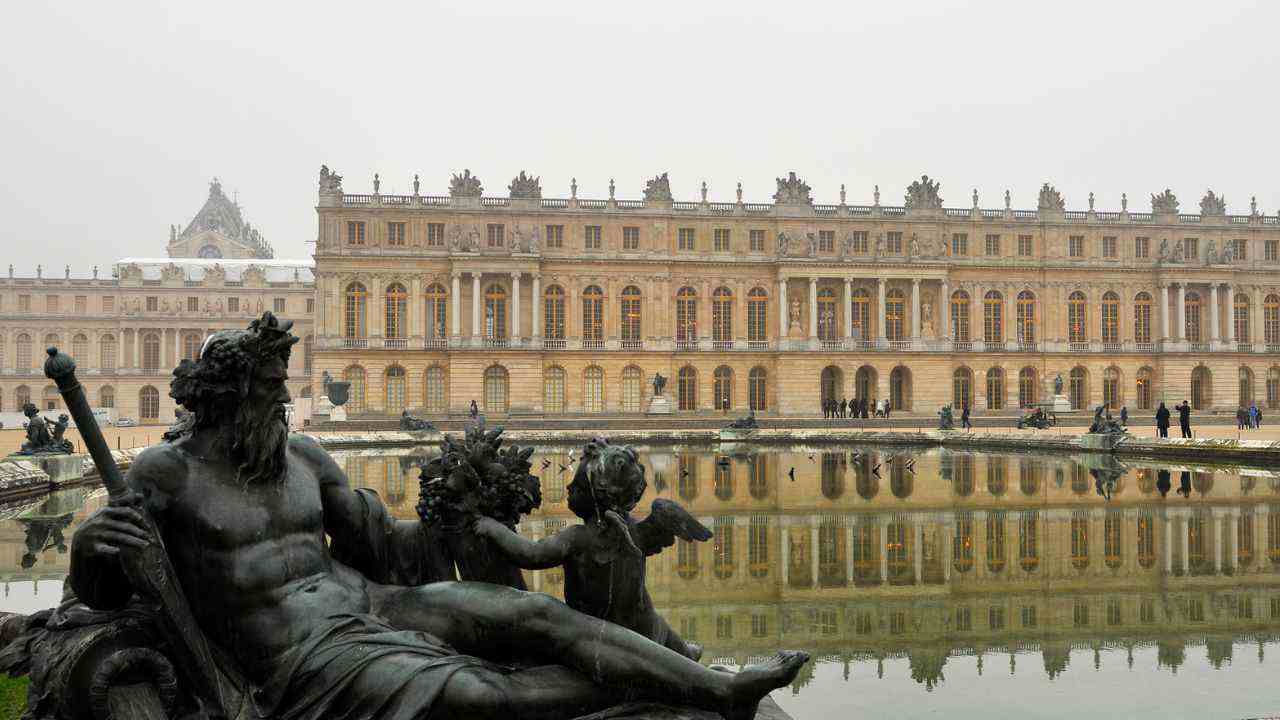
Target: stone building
<point x="544" y="306"/>
<point x="127" y="332"/>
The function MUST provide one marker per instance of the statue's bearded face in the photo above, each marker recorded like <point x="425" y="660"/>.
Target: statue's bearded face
<point x="261" y="428"/>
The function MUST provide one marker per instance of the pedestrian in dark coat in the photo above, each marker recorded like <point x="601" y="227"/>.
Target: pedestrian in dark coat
<point x="1162" y="421"/>
<point x="964" y="416"/>
<point x="1184" y="418"/>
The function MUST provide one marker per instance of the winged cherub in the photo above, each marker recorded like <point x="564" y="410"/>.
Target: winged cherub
<point x="604" y="558"/>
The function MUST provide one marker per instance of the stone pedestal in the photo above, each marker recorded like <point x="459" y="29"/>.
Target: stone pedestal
<point x="659" y="405"/>
<point x="338" y="414"/>
<point x="1061" y="404"/>
<point x="1101" y="441"/>
<point x="62" y="468"/>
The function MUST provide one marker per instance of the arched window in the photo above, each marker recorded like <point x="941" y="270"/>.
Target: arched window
<point x="1240" y="316"/>
<point x="632" y="389"/>
<point x="356" y="395"/>
<point x="686" y="315"/>
<point x="722" y="555"/>
<point x="436" y="310"/>
<point x="434" y="390"/>
<point x="995" y="388"/>
<point x="593" y="390"/>
<point x="962" y="543"/>
<point x="1142" y="318"/>
<point x="106" y="397"/>
<point x="191" y="343"/>
<point x="827" y="323"/>
<point x="52" y="340"/>
<point x="151" y="352"/>
<point x="687" y="388"/>
<point x="960" y="316"/>
<point x="1271" y="320"/>
<point x="1028" y="387"/>
<point x="758" y="546"/>
<point x="354" y="311"/>
<point x="1246" y="387"/>
<point x="993" y="317"/>
<point x="997" y="475"/>
<point x="864" y="383"/>
<point x="757" y="386"/>
<point x="830" y="385"/>
<point x="1147" y="540"/>
<point x="1110" y="318"/>
<point x="630" y="318"/>
<point x="1080" y="540"/>
<point x="1079" y="388"/>
<point x="23" y="354"/>
<point x="1027" y="317"/>
<point x="1273" y="388"/>
<point x="900" y="389"/>
<point x="1201" y="388"/>
<point x="1028" y="540"/>
<point x="397" y="301"/>
<point x="962" y="387"/>
<point x="107" y="352"/>
<point x="553" y="390"/>
<point x="723" y="378"/>
<point x="1077" y="318"/>
<point x="50" y="398"/>
<point x="495" y="313"/>
<point x="393" y="395"/>
<point x="1143" y="388"/>
<point x="80" y="346"/>
<point x="722" y="315"/>
<point x="757" y="315"/>
<point x="1192" y="310"/>
<point x="21" y="396"/>
<point x="1111" y="388"/>
<point x="997" y="551"/>
<point x="860" y="307"/>
<point x="553" y="315"/>
<point x="148" y="403"/>
<point x="593" y="314"/>
<point x="495" y="389"/>
<point x="895" y="303"/>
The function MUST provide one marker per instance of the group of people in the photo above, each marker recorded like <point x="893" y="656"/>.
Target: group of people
<point x="1248" y="418"/>
<point x="854" y="408"/>
<point x="1184" y="419"/>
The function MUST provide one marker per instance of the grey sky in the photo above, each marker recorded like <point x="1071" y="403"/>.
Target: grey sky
<point x="116" y="115"/>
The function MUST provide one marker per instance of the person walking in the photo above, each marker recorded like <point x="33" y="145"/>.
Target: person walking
<point x="1257" y="418"/>
<point x="475" y="410"/>
<point x="844" y="408"/>
<point x="1124" y="416"/>
<point x="886" y="408"/>
<point x="1241" y="417"/>
<point x="1184" y="418"/>
<point x="1162" y="421"/>
<point x="964" y="416"/>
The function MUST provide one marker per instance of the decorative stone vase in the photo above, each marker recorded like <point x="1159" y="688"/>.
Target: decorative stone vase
<point x="339" y="392"/>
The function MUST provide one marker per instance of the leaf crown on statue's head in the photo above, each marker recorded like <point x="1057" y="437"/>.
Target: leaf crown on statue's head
<point x="609" y="477"/>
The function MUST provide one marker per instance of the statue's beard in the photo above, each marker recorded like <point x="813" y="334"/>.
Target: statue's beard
<point x="261" y="442"/>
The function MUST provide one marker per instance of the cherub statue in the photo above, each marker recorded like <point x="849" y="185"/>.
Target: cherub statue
<point x="604" y="558"/>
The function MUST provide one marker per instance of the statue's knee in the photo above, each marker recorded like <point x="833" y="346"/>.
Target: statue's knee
<point x="477" y="694"/>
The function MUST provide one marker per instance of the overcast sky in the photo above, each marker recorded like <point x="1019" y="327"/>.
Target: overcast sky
<point x="116" y="115"/>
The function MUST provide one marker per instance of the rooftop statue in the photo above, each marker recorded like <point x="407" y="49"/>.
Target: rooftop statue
<point x="1050" y="199"/>
<point x="923" y="194"/>
<point x="659" y="188"/>
<point x="465" y="185"/>
<point x="1165" y="203"/>
<point x="330" y="181"/>
<point x="792" y="190"/>
<point x="525" y="186"/>
<point x="182" y="574"/>
<point x="1213" y="205"/>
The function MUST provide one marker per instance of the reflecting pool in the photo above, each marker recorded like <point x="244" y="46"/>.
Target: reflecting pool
<point x="925" y="583"/>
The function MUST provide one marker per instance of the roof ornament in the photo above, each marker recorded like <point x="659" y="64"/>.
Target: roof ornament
<point x="377" y="184"/>
<point x="739" y="192"/>
<point x="658" y="188"/>
<point x="415" y="184"/>
<point x="975" y="198"/>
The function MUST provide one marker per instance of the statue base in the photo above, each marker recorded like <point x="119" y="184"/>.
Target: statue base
<point x="60" y="468"/>
<point x="1061" y="404"/>
<point x="795" y="333"/>
<point x="338" y="414"/>
<point x="1101" y="441"/>
<point x="659" y="405"/>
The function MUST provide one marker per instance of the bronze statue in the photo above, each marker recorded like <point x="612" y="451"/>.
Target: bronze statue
<point x="44" y="437"/>
<point x="946" y="418"/>
<point x="238" y="511"/>
<point x="414" y="424"/>
<point x="604" y="558"/>
<point x="659" y="382"/>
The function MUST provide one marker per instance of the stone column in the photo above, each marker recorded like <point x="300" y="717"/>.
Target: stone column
<point x="813" y="547"/>
<point x="1185" y="539"/>
<point x="880" y="312"/>
<point x="848" y="309"/>
<point x="1180" y="332"/>
<point x="883" y="550"/>
<point x="917" y="552"/>
<point x="848" y="551"/>
<point x="417" y="311"/>
<point x="535" y="307"/>
<point x="1168" y="544"/>
<point x="137" y="349"/>
<point x="782" y="308"/>
<point x="915" y="310"/>
<point x="455" y="306"/>
<point x="1233" y="527"/>
<point x="784" y="534"/>
<point x="813" y="308"/>
<point x="1010" y="324"/>
<point x="475" y="304"/>
<point x="177" y="346"/>
<point x="949" y="549"/>
<point x="1164" y="312"/>
<point x="944" y="310"/>
<point x="515" y="308"/>
<point x="1257" y="332"/>
<point x="1231" y="314"/>
<point x="1214" y="334"/>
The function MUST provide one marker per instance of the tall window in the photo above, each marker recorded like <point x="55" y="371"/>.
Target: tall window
<point x="80" y="346"/>
<point x="687" y="315"/>
<point x="893" y="243"/>
<point x="1142" y="247"/>
<point x="992" y="246"/>
<point x="993" y="317"/>
<point x="555" y="236"/>
<point x="1271" y="320"/>
<point x="1077" y="318"/>
<point x="353" y="311"/>
<point x="632" y="389"/>
<point x="1273" y="388"/>
<point x="960" y="316"/>
<point x="756" y="238"/>
<point x="1239" y="249"/>
<point x="355" y="232"/>
<point x="495" y="389"/>
<point x="1240" y="316"/>
<point x="434" y="390"/>
<point x="21" y="396"/>
<point x="860" y="307"/>
<point x="757" y="382"/>
<point x="394" y="390"/>
<point x="397" y="301"/>
<point x="436" y="310"/>
<point x="962" y="387"/>
<point x="1028" y="540"/>
<point x="1075" y="246"/>
<point x="827" y="323"/>
<point x="959" y="244"/>
<point x="107" y="397"/>
<point x="723" y="378"/>
<point x="1143" y="388"/>
<point x="826" y="240"/>
<point x="630" y="238"/>
<point x="895" y="303"/>
<point x="553" y="390"/>
<point x="1142" y="318"/>
<point x="553" y="315"/>
<point x="494" y="235"/>
<point x="687" y="388"/>
<point x="1027" y="317"/>
<point x="106" y="352"/>
<point x="395" y="233"/>
<point x="1025" y="246"/>
<point x="1110" y="318"/>
<point x="356" y="376"/>
<point x="495" y="312"/>
<point x="23" y="353"/>
<point x="722" y="315"/>
<point x="592" y="237"/>
<point x="757" y="314"/>
<point x="1109" y="249"/>
<point x="1028" y="388"/>
<point x="593" y="390"/>
<point x="1192" y="310"/>
<point x="720" y="240"/>
<point x="1079" y="388"/>
<point x="995" y="388"/>
<point x="1080" y="540"/>
<point x="1246" y="387"/>
<point x="1191" y="248"/>
<point x="684" y="239"/>
<point x="435" y="234"/>
<point x="1111" y="388"/>
<point x="191" y="346"/>
<point x="151" y="351"/>
<point x="593" y="314"/>
<point x="630" y="318"/>
<point x="148" y="403"/>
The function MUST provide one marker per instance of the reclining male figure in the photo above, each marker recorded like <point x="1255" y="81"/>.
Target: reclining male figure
<point x="243" y="509"/>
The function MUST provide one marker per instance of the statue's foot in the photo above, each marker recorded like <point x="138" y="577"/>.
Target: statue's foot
<point x="693" y="651"/>
<point x="754" y="682"/>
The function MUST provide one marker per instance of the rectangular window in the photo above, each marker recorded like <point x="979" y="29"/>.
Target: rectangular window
<point x="826" y="240"/>
<point x="108" y="303"/>
<point x="720" y="240"/>
<point x="1271" y="250"/>
<point x="860" y="242"/>
<point x="893" y="244"/>
<point x="555" y="236"/>
<point x="395" y="233"/>
<point x="591" y="235"/>
<point x="995" y="617"/>
<point x="494" y="236"/>
<point x="684" y="239"/>
<point x="1026" y="246"/>
<point x="51" y="303"/>
<point x="24" y="303"/>
<point x="959" y="244"/>
<point x="153" y="303"/>
<point x="1109" y="247"/>
<point x="193" y="303"/>
<point x="1142" y="247"/>
<point x="311" y="306"/>
<point x="355" y="232"/>
<point x="630" y="238"/>
<point x="233" y="304"/>
<point x="278" y="305"/>
<point x="757" y="241"/>
<point x="82" y="304"/>
<point x="1240" y="250"/>
<point x="1191" y="248"/>
<point x="1075" y="246"/>
<point x="435" y="234"/>
<point x="993" y="245"/>
<point x="1028" y="613"/>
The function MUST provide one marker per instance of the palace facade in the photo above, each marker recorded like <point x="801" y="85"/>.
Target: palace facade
<point x="128" y="331"/>
<point x="532" y="305"/>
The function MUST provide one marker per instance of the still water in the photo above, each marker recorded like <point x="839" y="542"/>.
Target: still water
<point x="924" y="583"/>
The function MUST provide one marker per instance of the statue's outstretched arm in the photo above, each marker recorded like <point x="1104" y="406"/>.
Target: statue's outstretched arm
<point x="527" y="554"/>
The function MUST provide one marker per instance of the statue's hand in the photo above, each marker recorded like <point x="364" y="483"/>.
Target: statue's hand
<point x="487" y="527"/>
<point x="118" y="526"/>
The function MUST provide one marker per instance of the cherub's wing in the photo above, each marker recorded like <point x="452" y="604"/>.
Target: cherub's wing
<point x="667" y="521"/>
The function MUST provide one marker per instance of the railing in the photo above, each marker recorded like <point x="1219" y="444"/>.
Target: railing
<point x="868" y="345"/>
<point x="824" y="209"/>
<point x="1107" y="216"/>
<point x="495" y="202"/>
<point x="497" y="342"/>
<point x="1146" y="347"/>
<point x="1078" y="346"/>
<point x="553" y="203"/>
<point x="994" y="345"/>
<point x="757" y="344"/>
<point x="1198" y="346"/>
<point x="992" y="214"/>
<point x="1111" y="347"/>
<point x="435" y="343"/>
<point x="357" y="199"/>
<point x="1027" y="346"/>
<point x="630" y="204"/>
<point x="593" y="204"/>
<point x="1025" y="215"/>
<point x="437" y="200"/>
<point x="592" y="344"/>
<point x="893" y="211"/>
<point x="899" y="345"/>
<point x="1140" y="217"/>
<point x="397" y="199"/>
<point x="859" y="209"/>
<point x="395" y="343"/>
<point x="1188" y="218"/>
<point x="686" y="345"/>
<point x="684" y="206"/>
<point x="632" y="344"/>
<point x="1239" y="219"/>
<point x="957" y="212"/>
<point x="721" y="344"/>
<point x="1244" y="347"/>
<point x="831" y="345"/>
<point x="350" y="343"/>
<point x="722" y="208"/>
<point x="1273" y="348"/>
<point x="553" y="344"/>
<point x="757" y="208"/>
<point x="962" y="346"/>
